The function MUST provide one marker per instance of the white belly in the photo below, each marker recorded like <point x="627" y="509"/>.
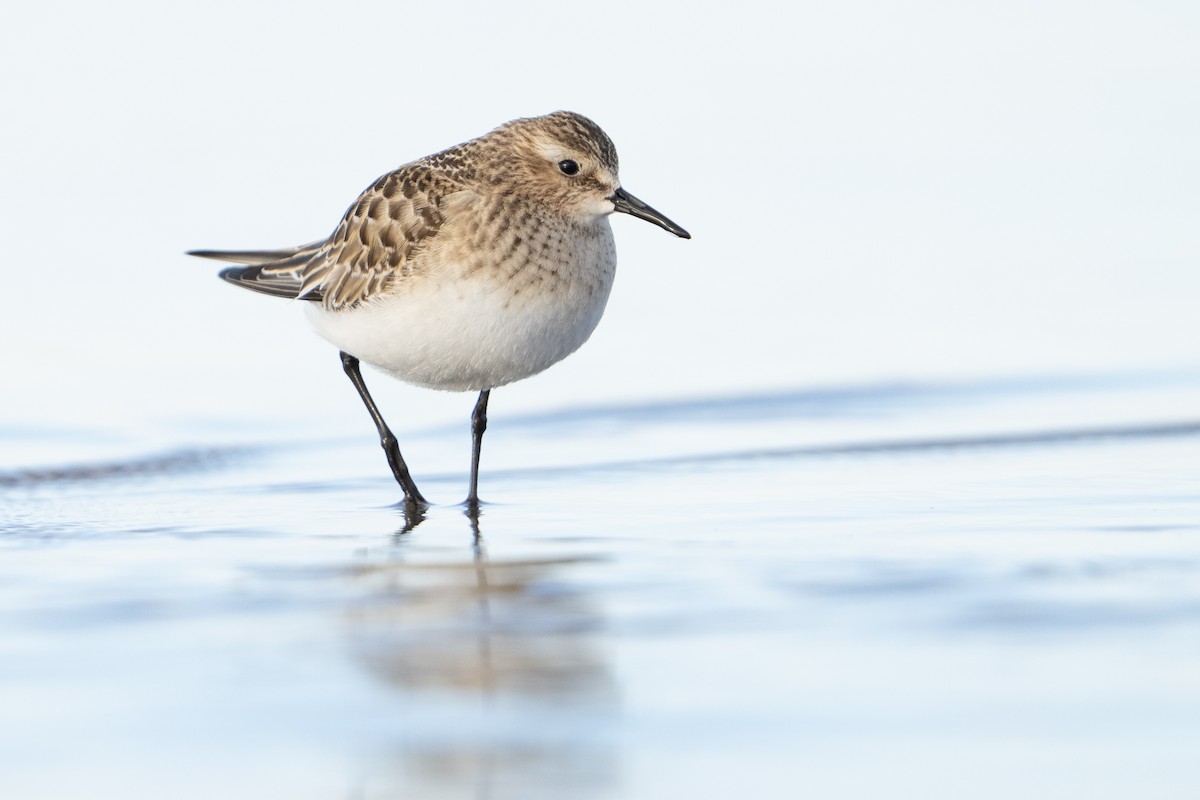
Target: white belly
<point x="476" y="331"/>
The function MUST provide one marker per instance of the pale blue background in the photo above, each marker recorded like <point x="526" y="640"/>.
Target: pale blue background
<point x="877" y="190"/>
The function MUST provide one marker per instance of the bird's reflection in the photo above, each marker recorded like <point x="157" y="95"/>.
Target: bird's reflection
<point x="512" y="637"/>
<point x="414" y="515"/>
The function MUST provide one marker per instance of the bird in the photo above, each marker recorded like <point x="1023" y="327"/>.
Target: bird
<point x="465" y="270"/>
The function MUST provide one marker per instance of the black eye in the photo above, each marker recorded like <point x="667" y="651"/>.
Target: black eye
<point x="568" y="167"/>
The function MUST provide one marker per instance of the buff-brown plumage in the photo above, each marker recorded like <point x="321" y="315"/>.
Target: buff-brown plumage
<point x="490" y="190"/>
<point x="467" y="269"/>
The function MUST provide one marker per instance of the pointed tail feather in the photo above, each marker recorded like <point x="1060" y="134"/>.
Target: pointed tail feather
<point x="253" y="278"/>
<point x="279" y="273"/>
<point x="254" y="257"/>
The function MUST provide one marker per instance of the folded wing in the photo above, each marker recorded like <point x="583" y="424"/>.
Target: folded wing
<point x="375" y="245"/>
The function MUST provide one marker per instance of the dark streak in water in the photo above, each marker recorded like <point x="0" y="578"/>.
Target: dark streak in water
<point x="1031" y="439"/>
<point x="1035" y="438"/>
<point x="842" y="401"/>
<point x="169" y="463"/>
<point x="193" y="460"/>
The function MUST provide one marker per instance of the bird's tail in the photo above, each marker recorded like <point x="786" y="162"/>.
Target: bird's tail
<point x="279" y="273"/>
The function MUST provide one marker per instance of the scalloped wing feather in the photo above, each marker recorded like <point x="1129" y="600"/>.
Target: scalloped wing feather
<point x="379" y="238"/>
<point x="377" y="243"/>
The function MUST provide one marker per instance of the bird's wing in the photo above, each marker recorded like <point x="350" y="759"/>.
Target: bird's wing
<point x="373" y="247"/>
<point x="378" y="240"/>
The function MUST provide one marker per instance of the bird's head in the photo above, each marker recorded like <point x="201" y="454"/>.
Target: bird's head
<point x="566" y="163"/>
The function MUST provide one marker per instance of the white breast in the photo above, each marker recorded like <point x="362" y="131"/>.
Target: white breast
<point x="468" y="331"/>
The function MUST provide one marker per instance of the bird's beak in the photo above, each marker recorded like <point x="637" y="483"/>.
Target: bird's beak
<point x="628" y="204"/>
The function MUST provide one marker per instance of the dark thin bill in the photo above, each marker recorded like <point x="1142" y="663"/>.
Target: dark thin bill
<point x="628" y="204"/>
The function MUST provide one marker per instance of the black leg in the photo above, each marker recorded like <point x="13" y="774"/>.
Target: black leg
<point x="478" y="426"/>
<point x="386" y="439"/>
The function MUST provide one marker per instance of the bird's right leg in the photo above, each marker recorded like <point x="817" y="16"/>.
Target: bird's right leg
<point x="386" y="439"/>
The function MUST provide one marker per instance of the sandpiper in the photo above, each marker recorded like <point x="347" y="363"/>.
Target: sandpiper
<point x="464" y="270"/>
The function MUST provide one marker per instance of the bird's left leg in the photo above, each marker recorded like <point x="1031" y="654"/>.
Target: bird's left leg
<point x="478" y="426"/>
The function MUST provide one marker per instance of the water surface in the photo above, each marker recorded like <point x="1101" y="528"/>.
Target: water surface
<point x="986" y="590"/>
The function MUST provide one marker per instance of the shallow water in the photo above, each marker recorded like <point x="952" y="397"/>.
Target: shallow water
<point x="986" y="590"/>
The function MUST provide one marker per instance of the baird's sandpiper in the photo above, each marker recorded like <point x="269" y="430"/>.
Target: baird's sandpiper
<point x="464" y="270"/>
